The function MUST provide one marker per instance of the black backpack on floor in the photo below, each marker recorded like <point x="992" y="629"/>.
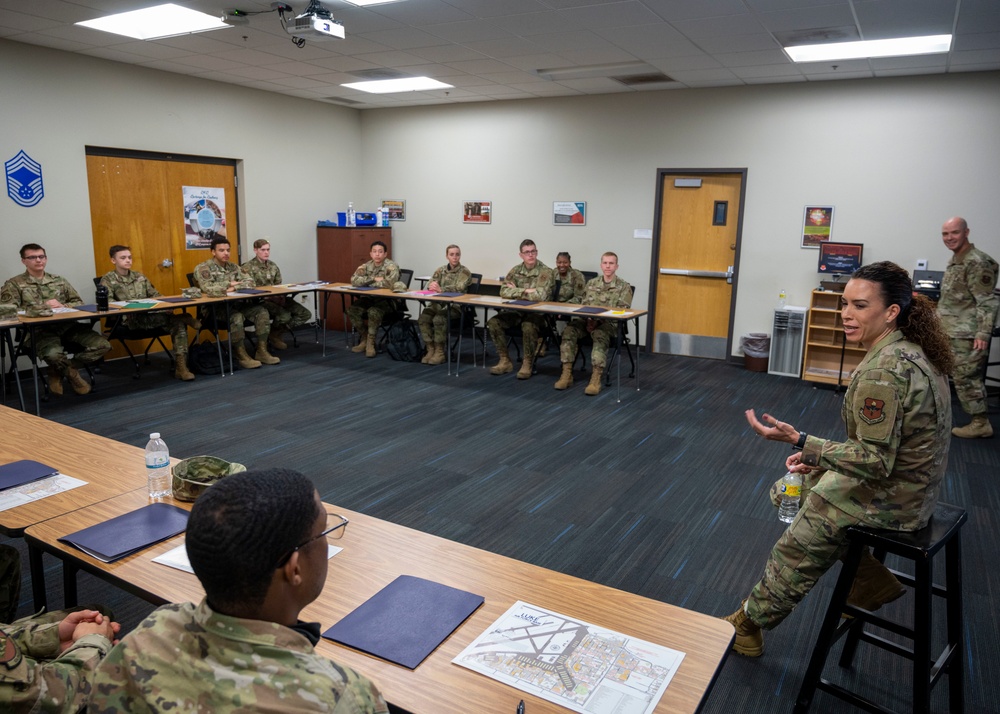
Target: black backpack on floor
<point x="403" y="343"/>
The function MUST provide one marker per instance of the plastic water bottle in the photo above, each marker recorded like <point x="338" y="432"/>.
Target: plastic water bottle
<point x="385" y="217"/>
<point x="781" y="299"/>
<point x="378" y="217"/>
<point x="791" y="492"/>
<point x="157" y="467"/>
<point x="351" y="221"/>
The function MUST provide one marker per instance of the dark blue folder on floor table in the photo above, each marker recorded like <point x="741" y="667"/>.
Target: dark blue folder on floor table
<point x="129" y="533"/>
<point x="404" y="621"/>
<point x="21" y="472"/>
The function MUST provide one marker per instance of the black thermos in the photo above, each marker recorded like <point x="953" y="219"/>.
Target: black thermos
<point x="102" y="298"/>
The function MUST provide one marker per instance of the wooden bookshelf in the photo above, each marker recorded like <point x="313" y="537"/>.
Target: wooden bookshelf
<point x="825" y="342"/>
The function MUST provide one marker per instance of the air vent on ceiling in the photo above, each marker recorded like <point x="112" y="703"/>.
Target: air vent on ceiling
<point x="379" y="73"/>
<point x="817" y="35"/>
<point x="342" y="100"/>
<point x="643" y="80"/>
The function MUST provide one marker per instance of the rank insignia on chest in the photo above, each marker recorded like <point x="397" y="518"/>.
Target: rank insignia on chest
<point x="871" y="412"/>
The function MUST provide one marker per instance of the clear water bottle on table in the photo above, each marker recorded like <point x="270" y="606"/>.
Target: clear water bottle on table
<point x="791" y="494"/>
<point x="157" y="467"/>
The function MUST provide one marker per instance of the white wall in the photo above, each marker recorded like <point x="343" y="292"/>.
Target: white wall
<point x="895" y="156"/>
<point x="299" y="157"/>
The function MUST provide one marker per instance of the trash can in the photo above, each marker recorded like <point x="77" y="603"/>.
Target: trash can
<point x="756" y="347"/>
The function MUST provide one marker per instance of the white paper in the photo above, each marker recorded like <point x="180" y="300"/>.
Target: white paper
<point x="178" y="557"/>
<point x="42" y="488"/>
<point x="580" y="666"/>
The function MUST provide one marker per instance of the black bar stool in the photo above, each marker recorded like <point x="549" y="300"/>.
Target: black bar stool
<point x="943" y="531"/>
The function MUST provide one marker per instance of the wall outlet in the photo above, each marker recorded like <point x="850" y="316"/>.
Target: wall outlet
<point x="922" y="264"/>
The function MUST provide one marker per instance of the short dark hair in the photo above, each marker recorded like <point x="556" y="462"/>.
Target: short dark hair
<point x="525" y="243"/>
<point x="563" y="254"/>
<point x="378" y="242"/>
<point x="219" y="240"/>
<point x="241" y="527"/>
<point x="116" y="249"/>
<point x="30" y="246"/>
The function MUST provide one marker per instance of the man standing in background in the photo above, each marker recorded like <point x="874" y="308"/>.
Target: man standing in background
<point x="968" y="311"/>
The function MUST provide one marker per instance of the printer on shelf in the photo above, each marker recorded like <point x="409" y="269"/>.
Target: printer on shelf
<point x="928" y="282"/>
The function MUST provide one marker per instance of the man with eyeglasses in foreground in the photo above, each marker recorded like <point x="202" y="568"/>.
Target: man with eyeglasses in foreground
<point x="38" y="293"/>
<point x="531" y="280"/>
<point x="258" y="543"/>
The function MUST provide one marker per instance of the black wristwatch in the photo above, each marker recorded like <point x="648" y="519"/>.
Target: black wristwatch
<point x="800" y="444"/>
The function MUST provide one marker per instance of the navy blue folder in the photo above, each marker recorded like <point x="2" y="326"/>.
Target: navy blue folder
<point x="93" y="308"/>
<point x="406" y="620"/>
<point x="520" y="302"/>
<point x="448" y="294"/>
<point x="591" y="310"/>
<point x="129" y="533"/>
<point x="362" y="287"/>
<point x="174" y="299"/>
<point x="21" y="472"/>
<point x="251" y="291"/>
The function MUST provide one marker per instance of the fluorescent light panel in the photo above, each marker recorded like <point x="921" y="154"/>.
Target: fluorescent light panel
<point x="406" y="84"/>
<point x="155" y="22"/>
<point x="899" y="47"/>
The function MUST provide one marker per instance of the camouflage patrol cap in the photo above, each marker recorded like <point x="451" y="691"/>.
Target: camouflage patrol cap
<point x="191" y="293"/>
<point x="216" y="291"/>
<point x="399" y="287"/>
<point x="192" y="476"/>
<point x="7" y="310"/>
<point x="38" y="311"/>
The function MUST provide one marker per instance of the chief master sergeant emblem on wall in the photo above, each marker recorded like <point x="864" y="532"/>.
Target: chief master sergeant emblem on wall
<point x="24" y="180"/>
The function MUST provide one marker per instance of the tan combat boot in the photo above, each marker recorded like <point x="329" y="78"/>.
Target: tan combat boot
<point x="566" y="380"/>
<point x="360" y="347"/>
<point x="749" y="638"/>
<point x="428" y="354"/>
<point x="181" y="370"/>
<point x="263" y="356"/>
<point x="504" y="365"/>
<point x="370" y="345"/>
<point x="874" y="586"/>
<point x="978" y="428"/>
<point x="525" y="371"/>
<point x="78" y="383"/>
<point x="439" y="355"/>
<point x="244" y="359"/>
<point x="55" y="381"/>
<point x="274" y="338"/>
<point x="594" y="387"/>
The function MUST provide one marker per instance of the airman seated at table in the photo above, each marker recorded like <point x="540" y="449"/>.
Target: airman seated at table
<point x="35" y="289"/>
<point x="47" y="662"/>
<point x="608" y="291"/>
<point x="571" y="281"/>
<point x="258" y="543"/>
<point x="123" y="283"/>
<point x="367" y="313"/>
<point x="529" y="280"/>
<point x="216" y="277"/>
<point x="452" y="277"/>
<point x="286" y="314"/>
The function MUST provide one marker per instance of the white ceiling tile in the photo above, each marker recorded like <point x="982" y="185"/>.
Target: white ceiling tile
<point x="739" y="43"/>
<point x="702" y="75"/>
<point x="676" y="10"/>
<point x="809" y="17"/>
<point x="751" y="59"/>
<point x="678" y="64"/>
<point x="772" y="71"/>
<point x="728" y="26"/>
<point x="899" y="18"/>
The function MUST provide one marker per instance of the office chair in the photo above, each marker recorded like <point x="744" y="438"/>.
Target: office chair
<point x="398" y="314"/>
<point x="467" y="314"/>
<point x="115" y="328"/>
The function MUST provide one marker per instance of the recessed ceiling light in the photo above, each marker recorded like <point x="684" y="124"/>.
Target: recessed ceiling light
<point x="153" y="23"/>
<point x="899" y="47"/>
<point x="406" y="84"/>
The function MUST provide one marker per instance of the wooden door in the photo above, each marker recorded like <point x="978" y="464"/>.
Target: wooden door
<point x="139" y="203"/>
<point x="697" y="238"/>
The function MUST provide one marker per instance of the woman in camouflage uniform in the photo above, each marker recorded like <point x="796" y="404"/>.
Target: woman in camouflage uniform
<point x="886" y="474"/>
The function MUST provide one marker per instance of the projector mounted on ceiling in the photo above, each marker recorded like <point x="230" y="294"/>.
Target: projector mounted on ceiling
<point x="315" y="23"/>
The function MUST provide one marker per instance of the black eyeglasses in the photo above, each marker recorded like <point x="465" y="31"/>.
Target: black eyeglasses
<point x="336" y="524"/>
<point x="35" y="257"/>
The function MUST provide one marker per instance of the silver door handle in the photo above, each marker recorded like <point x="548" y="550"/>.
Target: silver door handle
<point x="697" y="273"/>
<point x="167" y="263"/>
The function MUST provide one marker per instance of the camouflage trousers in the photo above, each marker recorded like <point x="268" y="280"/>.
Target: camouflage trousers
<point x="173" y="323"/>
<point x="433" y="322"/>
<point x="51" y="343"/>
<point x="968" y="376"/>
<point x="811" y="544"/>
<point x="601" y="336"/>
<point x="372" y="309"/>
<point x="531" y="326"/>
<point x="241" y="313"/>
<point x="287" y="312"/>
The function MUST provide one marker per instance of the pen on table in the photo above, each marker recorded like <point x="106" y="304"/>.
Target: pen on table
<point x="520" y="707"/>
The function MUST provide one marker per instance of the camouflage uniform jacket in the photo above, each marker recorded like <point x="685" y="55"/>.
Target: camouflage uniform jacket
<point x="134" y="286"/>
<point x="968" y="307"/>
<point x="263" y="273"/>
<point x="23" y="290"/>
<point x="34" y="676"/>
<point x="616" y="294"/>
<point x="571" y="288"/>
<point x="898" y="415"/>
<point x="189" y="658"/>
<point x="214" y="279"/>
<point x="452" y="281"/>
<point x="367" y="272"/>
<point x="541" y="277"/>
